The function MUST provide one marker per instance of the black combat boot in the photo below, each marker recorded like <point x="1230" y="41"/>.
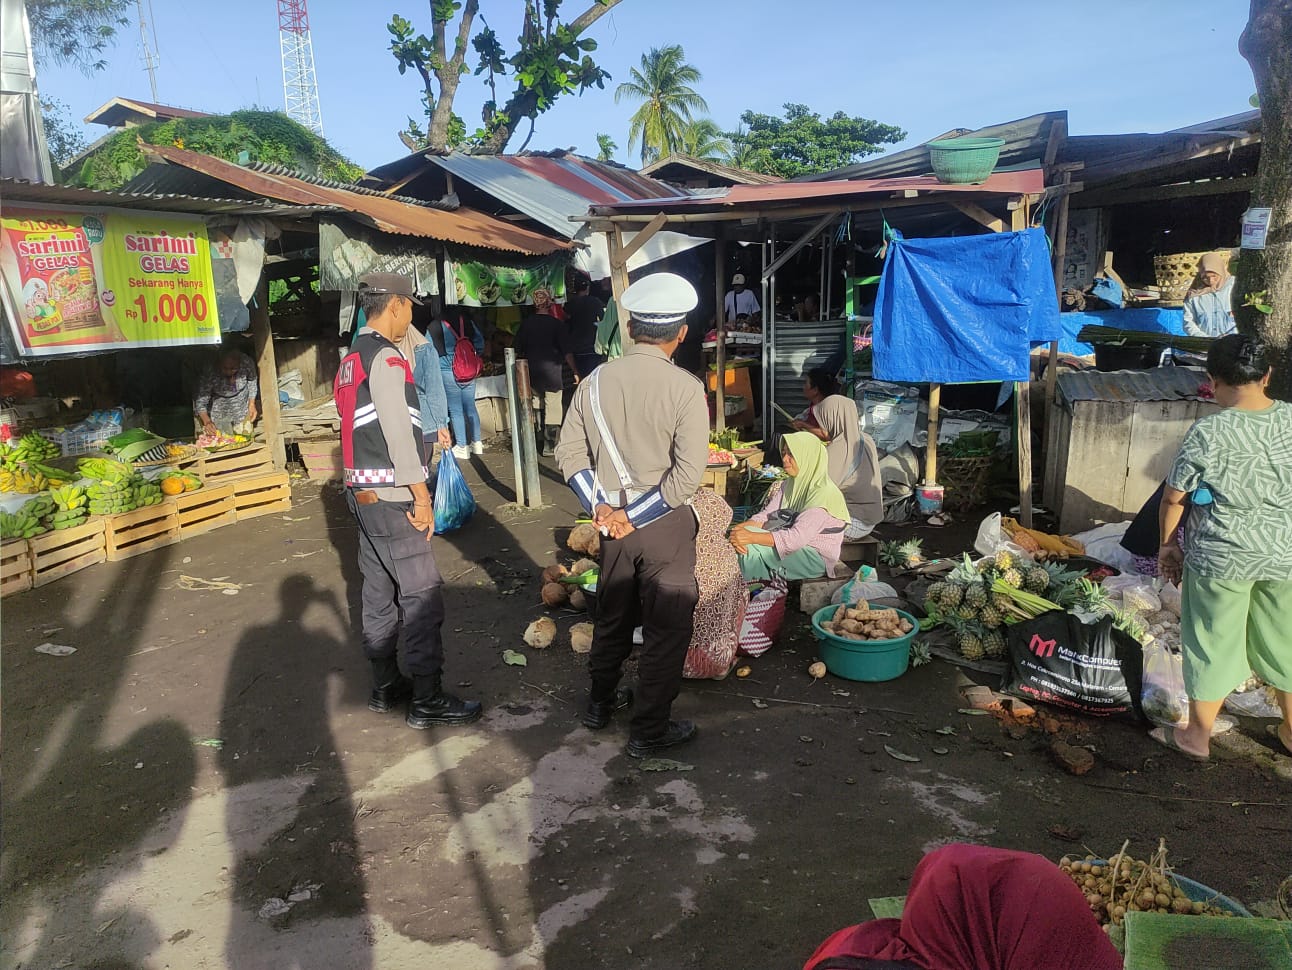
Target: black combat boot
<point x="390" y="688"/>
<point x="598" y="713"/>
<point x="431" y="705"/>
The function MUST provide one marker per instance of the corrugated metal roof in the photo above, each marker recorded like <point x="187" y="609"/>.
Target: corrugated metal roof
<point x="550" y="189"/>
<point x="464" y="227"/>
<point x="1028" y="182"/>
<point x="1158" y="384"/>
<point x="113" y="113"/>
<point x="737" y="176"/>
<point x="17" y="191"/>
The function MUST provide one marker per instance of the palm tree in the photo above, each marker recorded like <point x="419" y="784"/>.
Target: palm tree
<point x="703" y="139"/>
<point x="663" y="86"/>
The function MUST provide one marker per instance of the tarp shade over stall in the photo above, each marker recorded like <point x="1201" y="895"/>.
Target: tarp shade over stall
<point x="964" y="309"/>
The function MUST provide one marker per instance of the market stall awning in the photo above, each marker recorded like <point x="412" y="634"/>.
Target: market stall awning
<point x="14" y="192"/>
<point x="464" y="227"/>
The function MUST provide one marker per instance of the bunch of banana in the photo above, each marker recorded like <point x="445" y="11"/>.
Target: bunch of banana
<point x="23" y="481"/>
<point x="32" y="447"/>
<point x="105" y="469"/>
<point x="147" y="493"/>
<point x="110" y="497"/>
<point x="72" y="506"/>
<point x="19" y="525"/>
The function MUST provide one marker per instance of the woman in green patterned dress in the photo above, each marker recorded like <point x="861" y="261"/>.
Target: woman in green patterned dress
<point x="1237" y="559"/>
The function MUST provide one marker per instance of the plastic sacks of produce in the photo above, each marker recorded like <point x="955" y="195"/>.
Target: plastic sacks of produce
<point x="454" y="503"/>
<point x="1162" y="697"/>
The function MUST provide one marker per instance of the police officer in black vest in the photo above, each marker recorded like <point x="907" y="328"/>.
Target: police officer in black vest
<point x="386" y="460"/>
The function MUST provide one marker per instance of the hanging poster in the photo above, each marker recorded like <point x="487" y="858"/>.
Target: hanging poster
<point x="78" y="280"/>
<point x="478" y="284"/>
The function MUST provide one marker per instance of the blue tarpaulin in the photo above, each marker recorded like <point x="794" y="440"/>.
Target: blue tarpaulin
<point x="965" y="308"/>
<point x="1142" y="319"/>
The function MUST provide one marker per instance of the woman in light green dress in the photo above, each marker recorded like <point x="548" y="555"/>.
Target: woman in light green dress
<point x="1236" y="564"/>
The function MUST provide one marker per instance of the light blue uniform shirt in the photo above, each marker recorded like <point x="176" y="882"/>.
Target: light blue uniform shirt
<point x="1210" y="314"/>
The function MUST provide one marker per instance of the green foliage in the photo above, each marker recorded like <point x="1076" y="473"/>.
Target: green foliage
<point x="1259" y="301"/>
<point x="606" y="147"/>
<point x="702" y="138"/>
<point x="63" y="137"/>
<point x="76" y="31"/>
<point x="268" y="136"/>
<point x="663" y="84"/>
<point x="802" y="143"/>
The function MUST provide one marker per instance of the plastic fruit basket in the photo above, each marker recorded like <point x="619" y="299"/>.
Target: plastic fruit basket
<point x="865" y="660"/>
<point x="964" y="161"/>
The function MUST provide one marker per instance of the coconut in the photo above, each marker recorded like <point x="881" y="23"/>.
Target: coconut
<point x="577" y="600"/>
<point x="581" y="637"/>
<point x="555" y="594"/>
<point x="582" y="566"/>
<point x="553" y="573"/>
<point x="582" y="537"/>
<point x="540" y="633"/>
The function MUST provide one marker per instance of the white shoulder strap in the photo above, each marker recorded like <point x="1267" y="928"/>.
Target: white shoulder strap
<point x="616" y="459"/>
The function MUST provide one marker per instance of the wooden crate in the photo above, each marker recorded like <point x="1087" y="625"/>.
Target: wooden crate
<point x="261" y="494"/>
<point x="65" y="551"/>
<point x="133" y="533"/>
<point x="204" y="509"/>
<point x="15" y="566"/>
<point x="322" y="458"/>
<point x="221" y="466"/>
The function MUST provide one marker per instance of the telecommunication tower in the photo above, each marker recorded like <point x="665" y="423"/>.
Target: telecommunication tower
<point x="300" y="88"/>
<point x="149" y="52"/>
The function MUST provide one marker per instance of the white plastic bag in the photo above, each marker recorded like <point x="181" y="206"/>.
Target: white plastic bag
<point x="1169" y="594"/>
<point x="1257" y="702"/>
<point x="862" y="586"/>
<point x="1162" y="696"/>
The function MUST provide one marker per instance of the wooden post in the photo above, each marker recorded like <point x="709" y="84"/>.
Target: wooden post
<point x="931" y="452"/>
<point x="271" y="417"/>
<point x="1023" y="442"/>
<point x="720" y="357"/>
<point x="619" y="281"/>
<point x="514" y="425"/>
<point x="528" y="446"/>
<point x="1051" y="484"/>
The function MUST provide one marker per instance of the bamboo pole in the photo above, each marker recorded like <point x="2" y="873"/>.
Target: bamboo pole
<point x="1051" y="484"/>
<point x="271" y="417"/>
<point x="514" y="425"/>
<point x="720" y="357"/>
<point x="931" y="452"/>
<point x="529" y="448"/>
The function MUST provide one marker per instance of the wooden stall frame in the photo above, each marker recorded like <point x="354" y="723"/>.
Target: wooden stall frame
<point x="261" y="494"/>
<point x="15" y="566"/>
<point x="204" y="509"/>
<point x="129" y="534"/>
<point x="65" y="551"/>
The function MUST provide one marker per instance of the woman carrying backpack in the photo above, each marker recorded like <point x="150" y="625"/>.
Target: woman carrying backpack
<point x="460" y="343"/>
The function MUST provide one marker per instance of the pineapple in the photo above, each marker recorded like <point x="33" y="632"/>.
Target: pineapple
<point x="1003" y="560"/>
<point x="970" y="645"/>
<point x="1036" y="580"/>
<point x="993" y="644"/>
<point x="967" y="612"/>
<point x="911" y="553"/>
<point x="1013" y="577"/>
<point x="890" y="554"/>
<point x="976" y="596"/>
<point x="936" y="593"/>
<point x="991" y="617"/>
<point x="1001" y="601"/>
<point x="953" y="595"/>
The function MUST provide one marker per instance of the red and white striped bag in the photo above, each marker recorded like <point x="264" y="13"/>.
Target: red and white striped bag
<point x="763" y="618"/>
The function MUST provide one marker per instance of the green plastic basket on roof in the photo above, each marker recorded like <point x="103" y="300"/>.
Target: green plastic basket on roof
<point x="964" y="161"/>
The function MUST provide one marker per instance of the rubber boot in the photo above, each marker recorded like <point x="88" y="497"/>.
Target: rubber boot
<point x="390" y="688"/>
<point x="432" y="705"/>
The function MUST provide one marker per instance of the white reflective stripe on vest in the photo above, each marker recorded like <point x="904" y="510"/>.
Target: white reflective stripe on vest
<point x="630" y="492"/>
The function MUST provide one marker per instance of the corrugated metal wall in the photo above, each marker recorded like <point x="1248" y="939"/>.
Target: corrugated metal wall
<point x="797" y="348"/>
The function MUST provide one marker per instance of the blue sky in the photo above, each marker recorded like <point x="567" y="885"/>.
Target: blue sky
<point x="928" y="67"/>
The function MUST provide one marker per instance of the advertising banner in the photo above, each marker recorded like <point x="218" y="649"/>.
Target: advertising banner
<point x="77" y="280"/>
<point x="477" y="284"/>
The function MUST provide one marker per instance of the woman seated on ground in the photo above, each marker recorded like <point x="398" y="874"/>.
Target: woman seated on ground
<point x="972" y="907"/>
<point x="799" y="532"/>
<point x="854" y="460"/>
<point x="1235" y="569"/>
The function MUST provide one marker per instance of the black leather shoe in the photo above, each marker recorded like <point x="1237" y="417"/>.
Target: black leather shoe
<point x="678" y="732"/>
<point x="598" y="713"/>
<point x="431" y="706"/>
<point x="385" y="699"/>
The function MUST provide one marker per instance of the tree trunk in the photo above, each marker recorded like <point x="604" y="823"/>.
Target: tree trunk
<point x="522" y="104"/>
<point x="449" y="75"/>
<point x="1267" y="46"/>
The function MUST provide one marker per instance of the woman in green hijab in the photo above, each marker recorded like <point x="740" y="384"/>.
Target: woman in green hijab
<point x="799" y="532"/>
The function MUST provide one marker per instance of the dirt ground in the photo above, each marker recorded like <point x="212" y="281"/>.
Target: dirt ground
<point x="202" y="754"/>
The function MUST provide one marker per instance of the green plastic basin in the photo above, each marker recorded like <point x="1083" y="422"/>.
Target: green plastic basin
<point x="964" y="161"/>
<point x="865" y="660"/>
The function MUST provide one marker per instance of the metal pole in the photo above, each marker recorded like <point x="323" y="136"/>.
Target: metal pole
<point x="829" y="280"/>
<point x="513" y="424"/>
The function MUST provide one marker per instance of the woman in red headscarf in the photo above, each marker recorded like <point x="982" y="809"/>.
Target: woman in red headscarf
<point x="972" y="907"/>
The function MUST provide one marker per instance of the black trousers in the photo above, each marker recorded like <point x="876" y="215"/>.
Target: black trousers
<point x="647" y="577"/>
<point x="401" y="582"/>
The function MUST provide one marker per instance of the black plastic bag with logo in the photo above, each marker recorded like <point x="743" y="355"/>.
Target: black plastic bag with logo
<point x="1091" y="668"/>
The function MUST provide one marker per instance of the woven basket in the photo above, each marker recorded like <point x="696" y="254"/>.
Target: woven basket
<point x="965" y="480"/>
<point x="1177" y="273"/>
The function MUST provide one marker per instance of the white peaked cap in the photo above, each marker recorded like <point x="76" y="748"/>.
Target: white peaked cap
<point x="659" y="298"/>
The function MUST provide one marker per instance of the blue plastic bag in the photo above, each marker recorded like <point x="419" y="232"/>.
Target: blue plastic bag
<point x="454" y="503"/>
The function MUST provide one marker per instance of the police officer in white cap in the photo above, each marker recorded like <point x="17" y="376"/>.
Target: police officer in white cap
<point x="634" y="448"/>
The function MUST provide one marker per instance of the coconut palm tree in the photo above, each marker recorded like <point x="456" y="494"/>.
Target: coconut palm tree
<point x="663" y="86"/>
<point x="702" y="138"/>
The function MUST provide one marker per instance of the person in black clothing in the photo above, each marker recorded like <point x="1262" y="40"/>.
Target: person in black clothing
<point x="583" y="312"/>
<point x="544" y="341"/>
<point x="1143" y="534"/>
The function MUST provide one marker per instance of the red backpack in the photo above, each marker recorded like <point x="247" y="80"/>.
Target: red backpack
<point x="467" y="364"/>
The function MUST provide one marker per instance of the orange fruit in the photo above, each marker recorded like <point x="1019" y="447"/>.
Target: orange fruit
<point x="172" y="486"/>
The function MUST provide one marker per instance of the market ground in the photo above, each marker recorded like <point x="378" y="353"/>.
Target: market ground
<point x="201" y="754"/>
